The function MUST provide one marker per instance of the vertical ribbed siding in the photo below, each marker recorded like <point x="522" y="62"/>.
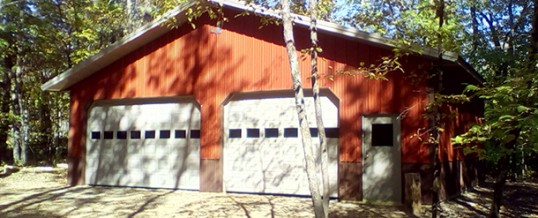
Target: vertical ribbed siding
<point x="244" y="58"/>
<point x="75" y="152"/>
<point x="461" y="119"/>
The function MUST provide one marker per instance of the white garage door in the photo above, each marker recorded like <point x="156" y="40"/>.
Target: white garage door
<point x="144" y="145"/>
<point x="263" y="151"/>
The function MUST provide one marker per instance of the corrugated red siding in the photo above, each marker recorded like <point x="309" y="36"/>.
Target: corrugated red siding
<point x="243" y="58"/>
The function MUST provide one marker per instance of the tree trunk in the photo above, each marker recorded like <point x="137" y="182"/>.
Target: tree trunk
<point x="533" y="54"/>
<point x="46" y="126"/>
<point x="440" y="13"/>
<point x="323" y="151"/>
<point x="20" y="154"/>
<point x="5" y="84"/>
<point x="500" y="181"/>
<point x="436" y="183"/>
<point x="475" y="27"/>
<point x="498" y="189"/>
<point x="309" y="151"/>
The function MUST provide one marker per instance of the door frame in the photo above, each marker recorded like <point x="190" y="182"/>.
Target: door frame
<point x="366" y="124"/>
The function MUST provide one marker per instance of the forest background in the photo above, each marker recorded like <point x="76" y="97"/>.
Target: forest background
<point x="41" y="39"/>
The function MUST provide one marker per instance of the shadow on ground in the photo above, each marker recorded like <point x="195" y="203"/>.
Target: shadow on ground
<point x="520" y="200"/>
<point x="136" y="202"/>
<point x="30" y="194"/>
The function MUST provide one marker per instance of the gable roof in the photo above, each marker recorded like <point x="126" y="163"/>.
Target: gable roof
<point x="155" y="29"/>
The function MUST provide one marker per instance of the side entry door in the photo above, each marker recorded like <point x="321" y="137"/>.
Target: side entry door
<point x="381" y="158"/>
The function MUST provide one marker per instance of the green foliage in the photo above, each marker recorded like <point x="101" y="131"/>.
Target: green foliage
<point x="199" y="8"/>
<point x="511" y="115"/>
<point x="494" y="37"/>
<point x="411" y="23"/>
<point x="379" y="71"/>
<point x="42" y="39"/>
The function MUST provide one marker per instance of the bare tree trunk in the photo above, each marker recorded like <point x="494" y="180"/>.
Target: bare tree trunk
<point x="15" y="127"/>
<point x="46" y="126"/>
<point x="440" y="13"/>
<point x="309" y="151"/>
<point x="498" y="189"/>
<point x="475" y="27"/>
<point x="129" y="8"/>
<point x="20" y="153"/>
<point x="323" y="151"/>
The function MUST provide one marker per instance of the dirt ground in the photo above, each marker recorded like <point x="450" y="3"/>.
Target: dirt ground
<point x="42" y="192"/>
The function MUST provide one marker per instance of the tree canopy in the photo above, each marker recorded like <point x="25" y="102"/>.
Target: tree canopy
<point x="40" y="39"/>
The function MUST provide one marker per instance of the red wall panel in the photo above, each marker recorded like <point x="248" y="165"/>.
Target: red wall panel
<point x="244" y="58"/>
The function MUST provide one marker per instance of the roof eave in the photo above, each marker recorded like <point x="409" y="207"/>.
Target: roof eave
<point x="156" y="29"/>
<point x="115" y="51"/>
<point x="336" y="29"/>
<point x="465" y="65"/>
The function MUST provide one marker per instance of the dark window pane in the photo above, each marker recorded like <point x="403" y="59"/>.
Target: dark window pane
<point x="290" y="132"/>
<point x="331" y="132"/>
<point x="164" y="134"/>
<point x="271" y="132"/>
<point x="135" y="134"/>
<point x="314" y="132"/>
<point x="121" y="134"/>
<point x="108" y="134"/>
<point x="382" y="134"/>
<point x="180" y="134"/>
<point x="96" y="135"/>
<point x="150" y="134"/>
<point x="195" y="134"/>
<point x="234" y="133"/>
<point x="253" y="133"/>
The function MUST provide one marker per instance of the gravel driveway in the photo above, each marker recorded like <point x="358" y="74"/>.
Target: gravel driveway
<point x="43" y="193"/>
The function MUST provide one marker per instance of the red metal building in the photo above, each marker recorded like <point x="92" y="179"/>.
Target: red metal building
<point x="211" y="109"/>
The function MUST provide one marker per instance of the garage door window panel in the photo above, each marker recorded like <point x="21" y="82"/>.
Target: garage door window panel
<point x="291" y="133"/>
<point x="314" y="132"/>
<point x="331" y="132"/>
<point x="121" y="134"/>
<point x="234" y="133"/>
<point x="149" y="134"/>
<point x="271" y="132"/>
<point x="164" y="134"/>
<point x="195" y="134"/>
<point x="96" y="135"/>
<point x="180" y="134"/>
<point x="108" y="134"/>
<point x="253" y="133"/>
<point x="135" y="134"/>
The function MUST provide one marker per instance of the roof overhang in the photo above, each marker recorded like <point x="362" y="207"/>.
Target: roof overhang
<point x="117" y="50"/>
<point x="158" y="28"/>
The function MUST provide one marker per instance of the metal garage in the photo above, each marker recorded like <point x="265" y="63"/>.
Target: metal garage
<point x="262" y="146"/>
<point x="144" y="143"/>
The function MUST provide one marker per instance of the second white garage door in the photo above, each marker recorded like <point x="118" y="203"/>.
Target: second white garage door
<point x="262" y="146"/>
<point x="151" y="144"/>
